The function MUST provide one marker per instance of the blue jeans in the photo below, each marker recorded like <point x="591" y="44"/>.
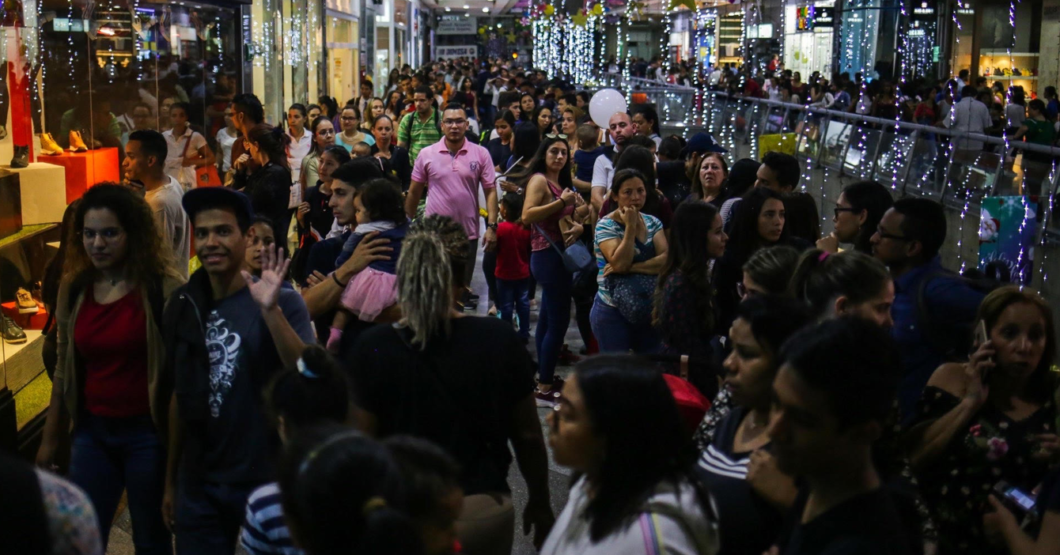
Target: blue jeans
<point x="512" y="294"/>
<point x="111" y="455"/>
<point x="614" y="334"/>
<point x="209" y="515"/>
<point x="554" y="316"/>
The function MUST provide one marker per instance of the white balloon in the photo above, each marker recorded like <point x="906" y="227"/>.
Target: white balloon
<point x="604" y="104"/>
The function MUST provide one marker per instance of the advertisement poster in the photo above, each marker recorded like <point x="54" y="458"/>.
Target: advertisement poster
<point x="1007" y="230"/>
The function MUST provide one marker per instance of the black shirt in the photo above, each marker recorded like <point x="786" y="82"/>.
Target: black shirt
<point x="866" y="524"/>
<point x="320" y="217"/>
<point x="269" y="190"/>
<point x="459" y="392"/>
<point x="673" y="181"/>
<point x="499" y="152"/>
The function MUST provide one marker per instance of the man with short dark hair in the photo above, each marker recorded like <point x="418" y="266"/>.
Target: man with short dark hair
<point x="832" y="399"/>
<point x="226" y="336"/>
<point x="364" y="101"/>
<point x="779" y="172"/>
<point x="453" y="170"/>
<point x="422" y="127"/>
<point x="932" y="307"/>
<point x="144" y="164"/>
<point x="247" y="112"/>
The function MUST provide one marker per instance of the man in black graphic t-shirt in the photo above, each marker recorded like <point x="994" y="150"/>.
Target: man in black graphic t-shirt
<point x="226" y="335"/>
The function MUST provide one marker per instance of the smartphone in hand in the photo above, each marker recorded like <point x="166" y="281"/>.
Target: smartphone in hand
<point x="981" y="337"/>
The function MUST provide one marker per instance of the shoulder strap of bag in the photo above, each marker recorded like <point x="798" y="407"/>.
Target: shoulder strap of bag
<point x="187" y="143"/>
<point x="549" y="239"/>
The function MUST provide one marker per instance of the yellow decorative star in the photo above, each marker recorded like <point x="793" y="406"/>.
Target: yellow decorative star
<point x="690" y="4"/>
<point x="580" y="20"/>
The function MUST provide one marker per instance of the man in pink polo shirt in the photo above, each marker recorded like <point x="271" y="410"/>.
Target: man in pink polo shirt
<point x="453" y="169"/>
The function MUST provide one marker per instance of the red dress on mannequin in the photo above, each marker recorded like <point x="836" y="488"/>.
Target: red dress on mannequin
<point x="18" y="78"/>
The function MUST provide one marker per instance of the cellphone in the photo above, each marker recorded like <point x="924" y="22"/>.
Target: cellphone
<point x="981" y="337"/>
<point x="1017" y="500"/>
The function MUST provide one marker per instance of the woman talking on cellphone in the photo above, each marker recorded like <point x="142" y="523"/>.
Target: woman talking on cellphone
<point x="988" y="420"/>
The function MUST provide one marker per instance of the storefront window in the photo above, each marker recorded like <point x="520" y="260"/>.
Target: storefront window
<point x="105" y="73"/>
<point x="808" y="37"/>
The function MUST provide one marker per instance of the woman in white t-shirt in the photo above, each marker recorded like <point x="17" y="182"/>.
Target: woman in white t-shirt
<point x="226" y="137"/>
<point x="301" y="141"/>
<point x="187" y="148"/>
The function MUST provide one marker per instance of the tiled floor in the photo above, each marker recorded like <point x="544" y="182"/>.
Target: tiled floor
<point x="559" y="478"/>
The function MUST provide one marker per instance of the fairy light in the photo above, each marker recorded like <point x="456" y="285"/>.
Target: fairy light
<point x="667" y="56"/>
<point x="1049" y="217"/>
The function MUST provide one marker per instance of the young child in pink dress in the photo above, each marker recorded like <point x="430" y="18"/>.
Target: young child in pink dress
<point x="380" y="208"/>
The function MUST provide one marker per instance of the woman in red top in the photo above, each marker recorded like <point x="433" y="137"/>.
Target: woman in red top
<point x="109" y="377"/>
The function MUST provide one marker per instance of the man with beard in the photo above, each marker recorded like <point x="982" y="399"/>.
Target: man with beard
<point x="621" y="128"/>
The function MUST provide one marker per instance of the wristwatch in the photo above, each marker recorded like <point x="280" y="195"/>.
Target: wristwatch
<point x="492" y="226"/>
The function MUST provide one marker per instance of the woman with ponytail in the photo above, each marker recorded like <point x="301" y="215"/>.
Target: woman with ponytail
<point x="463" y="382"/>
<point x="269" y="188"/>
<point x="315" y="392"/>
<point x="857" y="215"/>
<point x="848" y="283"/>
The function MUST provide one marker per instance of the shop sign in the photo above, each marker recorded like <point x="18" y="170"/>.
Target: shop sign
<point x="464" y="51"/>
<point x="456" y="25"/>
<point x="824" y="17"/>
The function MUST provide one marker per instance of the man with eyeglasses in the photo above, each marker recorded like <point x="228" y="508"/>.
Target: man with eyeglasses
<point x="453" y="169"/>
<point x="934" y="309"/>
<point x="420" y="128"/>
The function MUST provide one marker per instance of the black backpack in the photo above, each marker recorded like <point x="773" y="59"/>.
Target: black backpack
<point x="954" y="342"/>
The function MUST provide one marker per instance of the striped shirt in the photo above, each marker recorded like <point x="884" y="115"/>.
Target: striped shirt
<point x="264" y="531"/>
<point x="423" y="133"/>
<point x="747" y="522"/>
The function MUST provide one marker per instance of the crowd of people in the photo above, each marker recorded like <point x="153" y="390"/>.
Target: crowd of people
<point x="294" y="362"/>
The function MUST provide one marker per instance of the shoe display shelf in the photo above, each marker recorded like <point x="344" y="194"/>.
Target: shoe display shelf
<point x="85" y="169"/>
<point x="25" y="388"/>
<point x="992" y="60"/>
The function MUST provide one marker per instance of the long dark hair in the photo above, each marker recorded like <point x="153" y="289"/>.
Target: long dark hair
<point x="642" y="448"/>
<point x="537" y="163"/>
<point x="148" y="258"/>
<point x="527" y="140"/>
<point x="688" y="253"/>
<point x="744" y="239"/>
<point x="329" y="103"/>
<point x="342" y="492"/>
<point x="383" y="201"/>
<point x="272" y="141"/>
<point x="875" y="199"/>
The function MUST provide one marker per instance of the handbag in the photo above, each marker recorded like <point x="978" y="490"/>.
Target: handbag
<point x="634" y="294"/>
<point x="576" y="257"/>
<point x="205" y="176"/>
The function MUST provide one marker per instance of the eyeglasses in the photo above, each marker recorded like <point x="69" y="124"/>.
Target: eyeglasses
<point x="348" y="118"/>
<point x="743" y="292"/>
<point x="556" y="136"/>
<point x="884" y="235"/>
<point x="452" y="122"/>
<point x="839" y="209"/>
<point x="108" y="234"/>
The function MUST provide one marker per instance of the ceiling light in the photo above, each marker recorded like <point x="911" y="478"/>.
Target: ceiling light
<point x="466" y="6"/>
<point x="485" y="9"/>
<point x="448" y="9"/>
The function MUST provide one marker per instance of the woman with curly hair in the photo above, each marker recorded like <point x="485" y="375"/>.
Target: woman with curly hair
<point x="109" y="376"/>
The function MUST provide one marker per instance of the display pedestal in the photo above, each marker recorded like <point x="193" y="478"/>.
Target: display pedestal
<point x="85" y="169"/>
<point x="43" y="188"/>
<point x="10" y="203"/>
